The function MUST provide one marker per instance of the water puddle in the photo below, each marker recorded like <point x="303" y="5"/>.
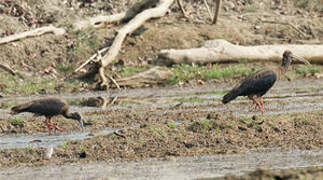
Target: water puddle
<point x="176" y="168"/>
<point x="25" y="141"/>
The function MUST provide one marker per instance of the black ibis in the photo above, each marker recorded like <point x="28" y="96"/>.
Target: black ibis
<point x="258" y="83"/>
<point x="48" y="107"/>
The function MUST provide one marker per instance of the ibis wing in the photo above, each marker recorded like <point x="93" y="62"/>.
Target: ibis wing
<point x="258" y="83"/>
<point x="46" y="107"/>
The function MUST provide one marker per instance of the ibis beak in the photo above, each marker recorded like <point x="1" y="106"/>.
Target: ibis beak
<point x="81" y="124"/>
<point x="301" y="59"/>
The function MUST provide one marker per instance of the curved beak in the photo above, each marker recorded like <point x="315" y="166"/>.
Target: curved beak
<point x="81" y="124"/>
<point x="300" y="59"/>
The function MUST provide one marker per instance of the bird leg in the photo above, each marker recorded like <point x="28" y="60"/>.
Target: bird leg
<point x="47" y="124"/>
<point x="261" y="101"/>
<point x="257" y="104"/>
<point x="50" y="126"/>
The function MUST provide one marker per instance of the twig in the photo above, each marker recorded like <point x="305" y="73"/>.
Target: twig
<point x="114" y="100"/>
<point x="208" y="9"/>
<point x="99" y="21"/>
<point x="179" y="3"/>
<point x="33" y="33"/>
<point x="287" y="24"/>
<point x="116" y="132"/>
<point x="10" y="70"/>
<point x="114" y="82"/>
<point x="92" y="58"/>
<point x="217" y="11"/>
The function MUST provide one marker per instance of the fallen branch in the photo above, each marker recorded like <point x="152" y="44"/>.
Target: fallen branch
<point x="133" y="24"/>
<point x="33" y="33"/>
<point x="179" y="3"/>
<point x="116" y="132"/>
<point x="287" y="24"/>
<point x="221" y="50"/>
<point x="208" y="9"/>
<point x="97" y="56"/>
<point x="217" y="11"/>
<point x="10" y="70"/>
<point x="154" y="75"/>
<point x="99" y="21"/>
<point x="102" y="21"/>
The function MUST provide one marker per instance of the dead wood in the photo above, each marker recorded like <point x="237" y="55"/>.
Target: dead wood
<point x="33" y="33"/>
<point x="217" y="11"/>
<point x="208" y="9"/>
<point x="180" y="5"/>
<point x="101" y="21"/>
<point x="221" y="50"/>
<point x="154" y="75"/>
<point x="132" y="25"/>
<point x="10" y="70"/>
<point x="287" y="24"/>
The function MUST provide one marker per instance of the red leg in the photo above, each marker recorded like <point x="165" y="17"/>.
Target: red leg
<point x="50" y="126"/>
<point x="257" y="103"/>
<point x="47" y="124"/>
<point x="54" y="126"/>
<point x="261" y="100"/>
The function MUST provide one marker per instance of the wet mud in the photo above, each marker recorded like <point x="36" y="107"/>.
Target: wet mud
<point x="165" y="124"/>
<point x="207" y="167"/>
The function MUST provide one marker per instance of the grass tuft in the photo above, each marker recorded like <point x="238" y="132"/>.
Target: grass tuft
<point x="185" y="72"/>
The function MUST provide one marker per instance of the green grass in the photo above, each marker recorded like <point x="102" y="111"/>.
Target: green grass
<point x="249" y="8"/>
<point x="16" y="121"/>
<point x="171" y="125"/>
<point x="190" y="99"/>
<point x="32" y="85"/>
<point x="309" y="4"/>
<point x="84" y="38"/>
<point x="126" y="71"/>
<point x="206" y="123"/>
<point x="186" y="72"/>
<point x="64" y="68"/>
<point x="303" y="69"/>
<point x="14" y="85"/>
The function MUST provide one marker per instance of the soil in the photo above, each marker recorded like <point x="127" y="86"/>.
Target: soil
<point x="241" y="22"/>
<point x="191" y="123"/>
<point x="314" y="173"/>
<point x="165" y="124"/>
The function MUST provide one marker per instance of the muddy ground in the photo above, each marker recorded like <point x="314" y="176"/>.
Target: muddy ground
<point x="300" y="174"/>
<point x="164" y="123"/>
<point x="181" y="122"/>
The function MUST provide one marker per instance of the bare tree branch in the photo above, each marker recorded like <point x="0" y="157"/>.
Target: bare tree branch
<point x="217" y="10"/>
<point x="33" y="33"/>
<point x="132" y="25"/>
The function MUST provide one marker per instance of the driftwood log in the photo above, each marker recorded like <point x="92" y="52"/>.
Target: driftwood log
<point x="155" y="75"/>
<point x="101" y="21"/>
<point x="33" y="33"/>
<point x="223" y="51"/>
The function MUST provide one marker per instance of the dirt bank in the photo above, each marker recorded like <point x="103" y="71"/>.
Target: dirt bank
<point x="314" y="173"/>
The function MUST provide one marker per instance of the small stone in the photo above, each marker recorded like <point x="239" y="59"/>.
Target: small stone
<point x="48" y="152"/>
<point x="242" y="128"/>
<point x="83" y="154"/>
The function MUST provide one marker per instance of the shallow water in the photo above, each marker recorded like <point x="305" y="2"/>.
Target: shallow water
<point x="176" y="168"/>
<point x="23" y="141"/>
